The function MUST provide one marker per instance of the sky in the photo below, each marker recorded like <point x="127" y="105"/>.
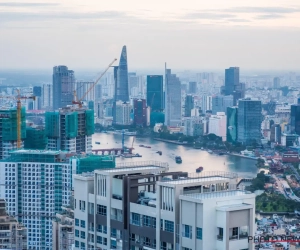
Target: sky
<point x="188" y="35"/>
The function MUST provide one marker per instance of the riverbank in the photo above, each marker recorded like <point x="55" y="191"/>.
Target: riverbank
<point x="171" y="141"/>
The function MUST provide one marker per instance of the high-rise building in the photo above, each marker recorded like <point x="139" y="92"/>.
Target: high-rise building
<point x="206" y="103"/>
<point x="8" y="132"/>
<point x="121" y="88"/>
<point x="188" y="105"/>
<point x="249" y="121"/>
<point x="232" y="78"/>
<point x="37" y="91"/>
<point x="217" y="125"/>
<point x="13" y="235"/>
<point x="295" y="118"/>
<point x="144" y="206"/>
<point x="63" y="86"/>
<point x="192" y="87"/>
<point x="140" y="112"/>
<point x="172" y="100"/>
<point x="82" y="92"/>
<point x="276" y="83"/>
<point x="70" y="129"/>
<point x="231" y="134"/>
<point x="155" y="92"/>
<point x="47" y="96"/>
<point x="123" y="111"/>
<point x="220" y="103"/>
<point x="41" y="183"/>
<point x="193" y="126"/>
<point x="275" y="135"/>
<point x="239" y="92"/>
<point x="35" y="138"/>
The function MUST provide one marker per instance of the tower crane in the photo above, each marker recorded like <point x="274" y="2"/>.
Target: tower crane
<point x="19" y="107"/>
<point x="79" y="102"/>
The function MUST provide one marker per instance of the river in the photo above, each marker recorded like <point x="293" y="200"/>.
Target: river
<point x="191" y="158"/>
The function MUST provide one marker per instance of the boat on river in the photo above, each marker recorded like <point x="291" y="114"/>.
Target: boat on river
<point x="178" y="159"/>
<point x="199" y="170"/>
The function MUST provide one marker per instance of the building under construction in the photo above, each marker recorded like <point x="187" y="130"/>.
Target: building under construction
<point x="70" y="129"/>
<point x="9" y="130"/>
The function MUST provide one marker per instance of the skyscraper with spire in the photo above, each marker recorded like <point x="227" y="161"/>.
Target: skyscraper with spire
<point x="121" y="83"/>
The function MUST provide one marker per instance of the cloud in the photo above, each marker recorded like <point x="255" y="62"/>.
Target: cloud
<point x="19" y="4"/>
<point x="269" y="16"/>
<point x="207" y="15"/>
<point x="239" y="20"/>
<point x="267" y="10"/>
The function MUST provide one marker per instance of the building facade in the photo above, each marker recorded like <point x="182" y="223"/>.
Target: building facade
<point x="206" y="103"/>
<point x="192" y="87"/>
<point x="172" y="99"/>
<point x="13" y="235"/>
<point x="220" y="103"/>
<point x="217" y="125"/>
<point x="188" y="105"/>
<point x="121" y="87"/>
<point x="232" y="78"/>
<point x="295" y="118"/>
<point x="63" y="87"/>
<point x="82" y="92"/>
<point x="123" y="111"/>
<point x="249" y="121"/>
<point x="140" y="112"/>
<point x="231" y="126"/>
<point x="155" y="92"/>
<point x="193" y="126"/>
<point x="70" y="129"/>
<point x="150" y="208"/>
<point x="275" y="135"/>
<point x="38" y="183"/>
<point x="47" y="96"/>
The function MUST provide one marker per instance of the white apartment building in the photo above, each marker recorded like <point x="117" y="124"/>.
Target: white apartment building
<point x="146" y="207"/>
<point x="217" y="125"/>
<point x="193" y="126"/>
<point x="47" y="96"/>
<point x="123" y="111"/>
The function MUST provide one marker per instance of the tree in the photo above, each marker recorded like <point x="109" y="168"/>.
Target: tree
<point x="260" y="163"/>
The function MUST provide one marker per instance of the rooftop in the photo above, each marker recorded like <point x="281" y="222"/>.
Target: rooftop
<point x="130" y="169"/>
<point x="212" y="195"/>
<point x="30" y="151"/>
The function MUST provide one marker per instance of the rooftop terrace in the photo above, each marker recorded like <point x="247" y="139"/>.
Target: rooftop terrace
<point x="212" y="195"/>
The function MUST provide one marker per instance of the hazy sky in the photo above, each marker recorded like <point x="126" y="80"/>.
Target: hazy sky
<point x="190" y="34"/>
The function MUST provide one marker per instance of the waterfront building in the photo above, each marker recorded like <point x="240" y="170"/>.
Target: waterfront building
<point x="192" y="87"/>
<point x="155" y="92"/>
<point x="63" y="227"/>
<point x="121" y="87"/>
<point x="144" y="206"/>
<point x="8" y="132"/>
<point x="232" y="78"/>
<point x="249" y="121"/>
<point x="140" y="112"/>
<point x="123" y="111"/>
<point x="47" y="96"/>
<point x="289" y="140"/>
<point x="295" y="118"/>
<point x="231" y="133"/>
<point x="173" y="99"/>
<point x="276" y="83"/>
<point x="70" y="129"/>
<point x="193" y="126"/>
<point x="188" y="105"/>
<point x="220" y="103"/>
<point x="275" y="135"/>
<point x="156" y="117"/>
<point x="38" y="183"/>
<point x="206" y="103"/>
<point x="63" y="87"/>
<point x="217" y="125"/>
<point x="13" y="235"/>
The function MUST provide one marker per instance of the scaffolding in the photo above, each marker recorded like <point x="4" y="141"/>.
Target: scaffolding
<point x="89" y="122"/>
<point x="71" y="125"/>
<point x="35" y="138"/>
<point x="93" y="162"/>
<point x="52" y="124"/>
<point x="8" y="119"/>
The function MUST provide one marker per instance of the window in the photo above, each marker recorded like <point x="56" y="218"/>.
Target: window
<point x="186" y="231"/>
<point x="220" y="233"/>
<point x="82" y="223"/>
<point x="81" y="205"/>
<point x="82" y="245"/>
<point x="169" y="226"/>
<point x="233" y="233"/>
<point x="199" y="233"/>
<point x="91" y="208"/>
<point x="113" y="232"/>
<point x="99" y="239"/>
<point x="243" y="232"/>
<point x="149" y="221"/>
<point x="161" y="224"/>
<point x="104" y="241"/>
<point x="135" y="219"/>
<point x="77" y="234"/>
<point x="76" y="243"/>
<point x="113" y="244"/>
<point x="101" y="210"/>
<point x="82" y="235"/>
<point x="163" y="245"/>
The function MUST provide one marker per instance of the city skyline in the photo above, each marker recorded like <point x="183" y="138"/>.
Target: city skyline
<point x="210" y="35"/>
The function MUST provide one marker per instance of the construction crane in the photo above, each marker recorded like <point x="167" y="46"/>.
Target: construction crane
<point x="19" y="107"/>
<point x="79" y="102"/>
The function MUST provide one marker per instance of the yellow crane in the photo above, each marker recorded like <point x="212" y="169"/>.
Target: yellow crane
<point x="79" y="102"/>
<point x="19" y="107"/>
